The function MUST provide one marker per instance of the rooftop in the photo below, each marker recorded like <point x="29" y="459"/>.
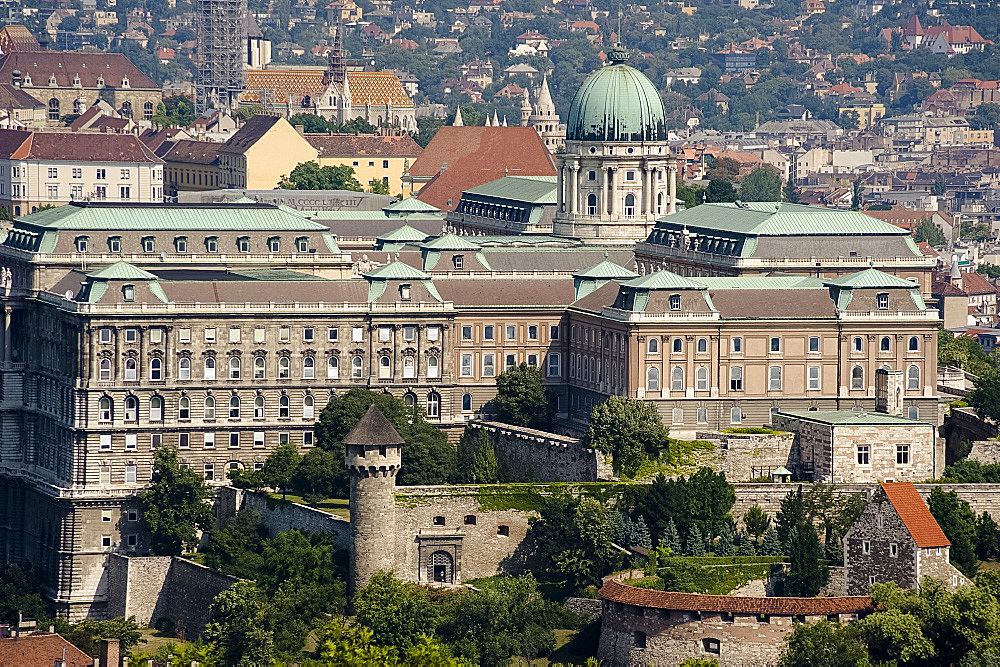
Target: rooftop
<point x="781" y="219"/>
<point x="915" y="515"/>
<point x="373" y="429"/>
<point x="851" y="418"/>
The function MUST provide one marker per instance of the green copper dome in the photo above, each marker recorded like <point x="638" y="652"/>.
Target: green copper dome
<point x="617" y="103"/>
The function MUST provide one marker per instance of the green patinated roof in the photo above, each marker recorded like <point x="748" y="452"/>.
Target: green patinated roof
<point x="851" y="418"/>
<point x="353" y="216"/>
<point x="781" y="470"/>
<point x="528" y="189"/>
<point x="781" y="219"/>
<point x="397" y="271"/>
<point x="606" y="269"/>
<point x="279" y="275"/>
<point x="450" y="242"/>
<point x="662" y="280"/>
<point x="870" y="278"/>
<point x="616" y="103"/>
<point x="410" y="205"/>
<point x="751" y="282"/>
<point x="167" y="217"/>
<point x="122" y="271"/>
<point x="404" y="233"/>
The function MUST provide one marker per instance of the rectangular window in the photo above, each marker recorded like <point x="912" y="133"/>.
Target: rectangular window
<point x="77" y="172"/>
<point x="433" y="333"/>
<point x="737" y="345"/>
<point x="466" y="366"/>
<point x="883" y="300"/>
<point x="774" y="378"/>
<point x="489" y="366"/>
<point x="332" y="334"/>
<point x="307" y="438"/>
<point x="52" y="191"/>
<point x="105" y="474"/>
<point x="184" y="335"/>
<point x="234" y="440"/>
<point x="357" y="334"/>
<point x="284" y="335"/>
<point x="258" y="335"/>
<point x="466" y="332"/>
<point x="511" y="332"/>
<point x="554" y="332"/>
<point x="132" y="540"/>
<point x="155" y="440"/>
<point x="554" y="365"/>
<point x="184" y="440"/>
<point x="863" y="455"/>
<point x="126" y="174"/>
<point x="775" y="344"/>
<point x="533" y="360"/>
<point x="130" y="474"/>
<point x="814" y="377"/>
<point x="258" y="439"/>
<point x="308" y="333"/>
<point x="106" y="541"/>
<point x="105" y="442"/>
<point x="902" y="455"/>
<point x="53" y="172"/>
<point x="866" y="547"/>
<point x="532" y="332"/>
<point x="209" y="440"/>
<point x="125" y="192"/>
<point x="106" y="516"/>
<point x="384" y="334"/>
<point x="702" y="416"/>
<point x="509" y="361"/>
<point x="488" y="332"/>
<point x="209" y="471"/>
<point x="132" y="515"/>
<point x="234" y="335"/>
<point x="409" y="332"/>
<point x="677" y="416"/>
<point x="130" y="440"/>
<point x="210" y="335"/>
<point x="105" y="335"/>
<point x="893" y="549"/>
<point x="155" y="335"/>
<point x="814" y="343"/>
<point x="131" y="335"/>
<point x="736" y="378"/>
<point x="283" y="439"/>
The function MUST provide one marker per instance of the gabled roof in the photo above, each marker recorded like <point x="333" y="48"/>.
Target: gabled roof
<point x="373" y="429"/>
<point x="122" y="271"/>
<point x="404" y="233"/>
<point x="353" y="145"/>
<point x="397" y="270"/>
<point x="251" y="132"/>
<point x="871" y="279"/>
<point x="606" y="270"/>
<point x="42" y="649"/>
<point x="410" y="205"/>
<point x="916" y="516"/>
<point x="662" y="280"/>
<point x="529" y="189"/>
<point x="59" y="147"/>
<point x="96" y="70"/>
<point x="377" y="89"/>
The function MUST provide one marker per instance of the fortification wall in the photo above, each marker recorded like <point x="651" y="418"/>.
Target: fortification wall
<point x="281" y="515"/>
<point x="531" y="455"/>
<point x="191" y="589"/>
<point x="746" y="456"/>
<point x="985" y="451"/>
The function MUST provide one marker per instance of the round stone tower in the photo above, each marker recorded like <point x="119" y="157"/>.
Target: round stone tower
<point x="373" y="459"/>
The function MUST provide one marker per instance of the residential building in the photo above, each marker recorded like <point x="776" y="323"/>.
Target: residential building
<point x="381" y="158"/>
<point x="735" y="61"/>
<point x="23" y="111"/>
<point x="49" y="169"/>
<point x="189" y="165"/>
<point x="689" y="75"/>
<point x="41" y="648"/>
<point x="263" y="151"/>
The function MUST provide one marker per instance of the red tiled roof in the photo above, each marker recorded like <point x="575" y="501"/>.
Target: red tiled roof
<point x="975" y="283"/>
<point x="92" y="68"/>
<point x="347" y="145"/>
<point x="778" y="606"/>
<point x="917" y="518"/>
<point x="16" y="144"/>
<point x="943" y="288"/>
<point x="41" y="649"/>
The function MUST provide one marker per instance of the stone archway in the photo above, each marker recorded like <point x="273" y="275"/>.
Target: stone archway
<point x="441" y="568"/>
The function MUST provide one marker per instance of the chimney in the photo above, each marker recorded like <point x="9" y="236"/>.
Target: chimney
<point x="110" y="653"/>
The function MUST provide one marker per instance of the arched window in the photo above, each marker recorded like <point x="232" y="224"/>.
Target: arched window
<point x="308" y="368"/>
<point x="659" y="202"/>
<point x="155" y="409"/>
<point x="155" y="369"/>
<point x="234" y="368"/>
<point x="105" y="410"/>
<point x="591" y="204"/>
<point x="914" y="344"/>
<point x="677" y="379"/>
<point x="308" y="407"/>
<point x="703" y="345"/>
<point x="333" y="367"/>
<point x="884" y="344"/>
<point x="913" y="412"/>
<point x="284" y="368"/>
<point x="652" y="379"/>
<point x="701" y="378"/>
<point x="234" y="407"/>
<point x="184" y="408"/>
<point x="434" y="404"/>
<point x="433" y="369"/>
<point x="131" y="370"/>
<point x="653" y="346"/>
<point x="678" y="345"/>
<point x="466" y="402"/>
<point x="630" y="205"/>
<point x="209" y="368"/>
<point x="857" y="378"/>
<point x="184" y="369"/>
<point x="209" y="407"/>
<point x="78" y="107"/>
<point x="409" y="367"/>
<point x="913" y="378"/>
<point x="357" y="367"/>
<point x="259" y="368"/>
<point x="105" y="373"/>
<point x="856" y="344"/>
<point x="384" y="367"/>
<point x="258" y="407"/>
<point x="283" y="407"/>
<point x="147" y="110"/>
<point x="409" y="399"/>
<point x="53" y="109"/>
<point x="131" y="409"/>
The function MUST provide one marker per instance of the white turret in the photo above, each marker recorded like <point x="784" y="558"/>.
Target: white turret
<point x="458" y="118"/>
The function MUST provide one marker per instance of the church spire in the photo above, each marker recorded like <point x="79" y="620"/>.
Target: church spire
<point x="458" y="118"/>
<point x="544" y="106"/>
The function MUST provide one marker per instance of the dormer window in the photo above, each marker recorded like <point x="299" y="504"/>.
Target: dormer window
<point x="27" y="80"/>
<point x="404" y="291"/>
<point x="128" y="292"/>
<point x="882" y="299"/>
<point x="243" y="244"/>
<point x="52" y="80"/>
<point x="274" y="244"/>
<point x="115" y="244"/>
<point x="675" y="302"/>
<point x="181" y="243"/>
<point x="148" y="244"/>
<point x="100" y="81"/>
<point x="212" y="244"/>
<point x="124" y="82"/>
<point x="458" y="261"/>
<point x="302" y="244"/>
<point x="82" y="243"/>
<point x="76" y="80"/>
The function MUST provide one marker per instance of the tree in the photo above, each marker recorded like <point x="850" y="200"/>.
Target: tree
<point x="987" y="538"/>
<point x="720" y="191"/>
<point x="310" y="123"/>
<point x="341" y="645"/>
<point x="628" y="429"/>
<point x="573" y="538"/>
<point x="522" y="399"/>
<point x="315" y="476"/>
<point x="724" y="169"/>
<point x="688" y="194"/>
<point x="893" y="635"/>
<point x="848" y="120"/>
<point x="237" y="549"/>
<point x="771" y="544"/>
<point x="695" y="542"/>
<point x="280" y="467"/>
<point x="240" y="626"/>
<point x="791" y="193"/>
<point x="958" y="522"/>
<point x="824" y="643"/>
<point x="761" y="184"/>
<point x="88" y="633"/>
<point x="940" y="188"/>
<point x="807" y="572"/>
<point x="703" y="499"/>
<point x="986" y="117"/>
<point x="927" y="231"/>
<point x="671" y="538"/>
<point x="484" y="467"/>
<point x="985" y="398"/>
<point x="175" y="505"/>
<point x="378" y="186"/>
<point x="725" y="546"/>
<point x="19" y="593"/>
<point x="757" y="521"/>
<point x="358" y="126"/>
<point x="791" y="515"/>
<point x="310" y="176"/>
<point x="857" y="194"/>
<point x="397" y="614"/>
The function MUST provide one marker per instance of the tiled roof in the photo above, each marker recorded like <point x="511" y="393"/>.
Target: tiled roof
<point x="96" y="70"/>
<point x="377" y="89"/>
<point x="975" y="283"/>
<point x="193" y="152"/>
<point x="778" y="606"/>
<point x="41" y="649"/>
<point x="924" y="529"/>
<point x="942" y="288"/>
<point x="530" y="189"/>
<point x="14" y="97"/>
<point x="251" y="132"/>
<point x="352" y="145"/>
<point x="18" y="38"/>
<point x="373" y="429"/>
<point x="404" y="233"/>
<point x="167" y="217"/>
<point x="20" y="145"/>
<point x="606" y="270"/>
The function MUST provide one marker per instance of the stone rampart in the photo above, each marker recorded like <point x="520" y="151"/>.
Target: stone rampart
<point x="746" y="456"/>
<point x="985" y="451"/>
<point x="531" y="455"/>
<point x="281" y="515"/>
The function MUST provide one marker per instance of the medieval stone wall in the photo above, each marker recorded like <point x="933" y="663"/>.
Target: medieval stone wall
<point x="985" y="451"/>
<point x="746" y="456"/>
<point x="934" y="563"/>
<point x="531" y="455"/>
<point x="279" y="516"/>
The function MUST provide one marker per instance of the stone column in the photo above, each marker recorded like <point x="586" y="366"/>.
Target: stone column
<point x="616" y="204"/>
<point x="168" y="358"/>
<point x="574" y="175"/>
<point x="559" y="190"/>
<point x="644" y="203"/>
<point x="7" y="313"/>
<point x="672" y="204"/>
<point x="603" y="197"/>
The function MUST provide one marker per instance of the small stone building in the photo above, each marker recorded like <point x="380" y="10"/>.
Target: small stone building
<point x="897" y="539"/>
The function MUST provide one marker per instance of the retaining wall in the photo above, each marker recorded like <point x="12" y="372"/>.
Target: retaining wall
<point x="281" y="515"/>
<point x="541" y="456"/>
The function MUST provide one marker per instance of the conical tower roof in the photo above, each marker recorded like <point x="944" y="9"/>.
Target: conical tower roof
<point x="458" y="118"/>
<point x="373" y="429"/>
<point x="544" y="104"/>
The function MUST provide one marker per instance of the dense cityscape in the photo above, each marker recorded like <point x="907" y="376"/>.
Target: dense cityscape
<point x="499" y="332"/>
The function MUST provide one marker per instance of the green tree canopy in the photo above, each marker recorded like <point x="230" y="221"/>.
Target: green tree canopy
<point x="280" y="467"/>
<point x="398" y="614"/>
<point x="628" y="429"/>
<point x="958" y="522"/>
<point x="703" y="499"/>
<point x="19" y="593"/>
<point x="720" y="191"/>
<point x="240" y="627"/>
<point x="522" y="399"/>
<point x="310" y="176"/>
<point x="823" y="643"/>
<point x="807" y="572"/>
<point x="761" y="184"/>
<point x="175" y="505"/>
<point x="927" y="231"/>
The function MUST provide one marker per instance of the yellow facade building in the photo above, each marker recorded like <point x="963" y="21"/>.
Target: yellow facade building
<point x="263" y="151"/>
<point x="373" y="157"/>
<point x="868" y="113"/>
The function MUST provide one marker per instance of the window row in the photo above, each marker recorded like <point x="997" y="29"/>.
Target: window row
<point x="865" y="455"/>
<point x="884" y="344"/>
<point x="912" y="378"/>
<point x="309" y="334"/>
<point x="488" y="364"/>
<point x="509" y="331"/>
<point x="231" y="408"/>
<point x="147" y="244"/>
